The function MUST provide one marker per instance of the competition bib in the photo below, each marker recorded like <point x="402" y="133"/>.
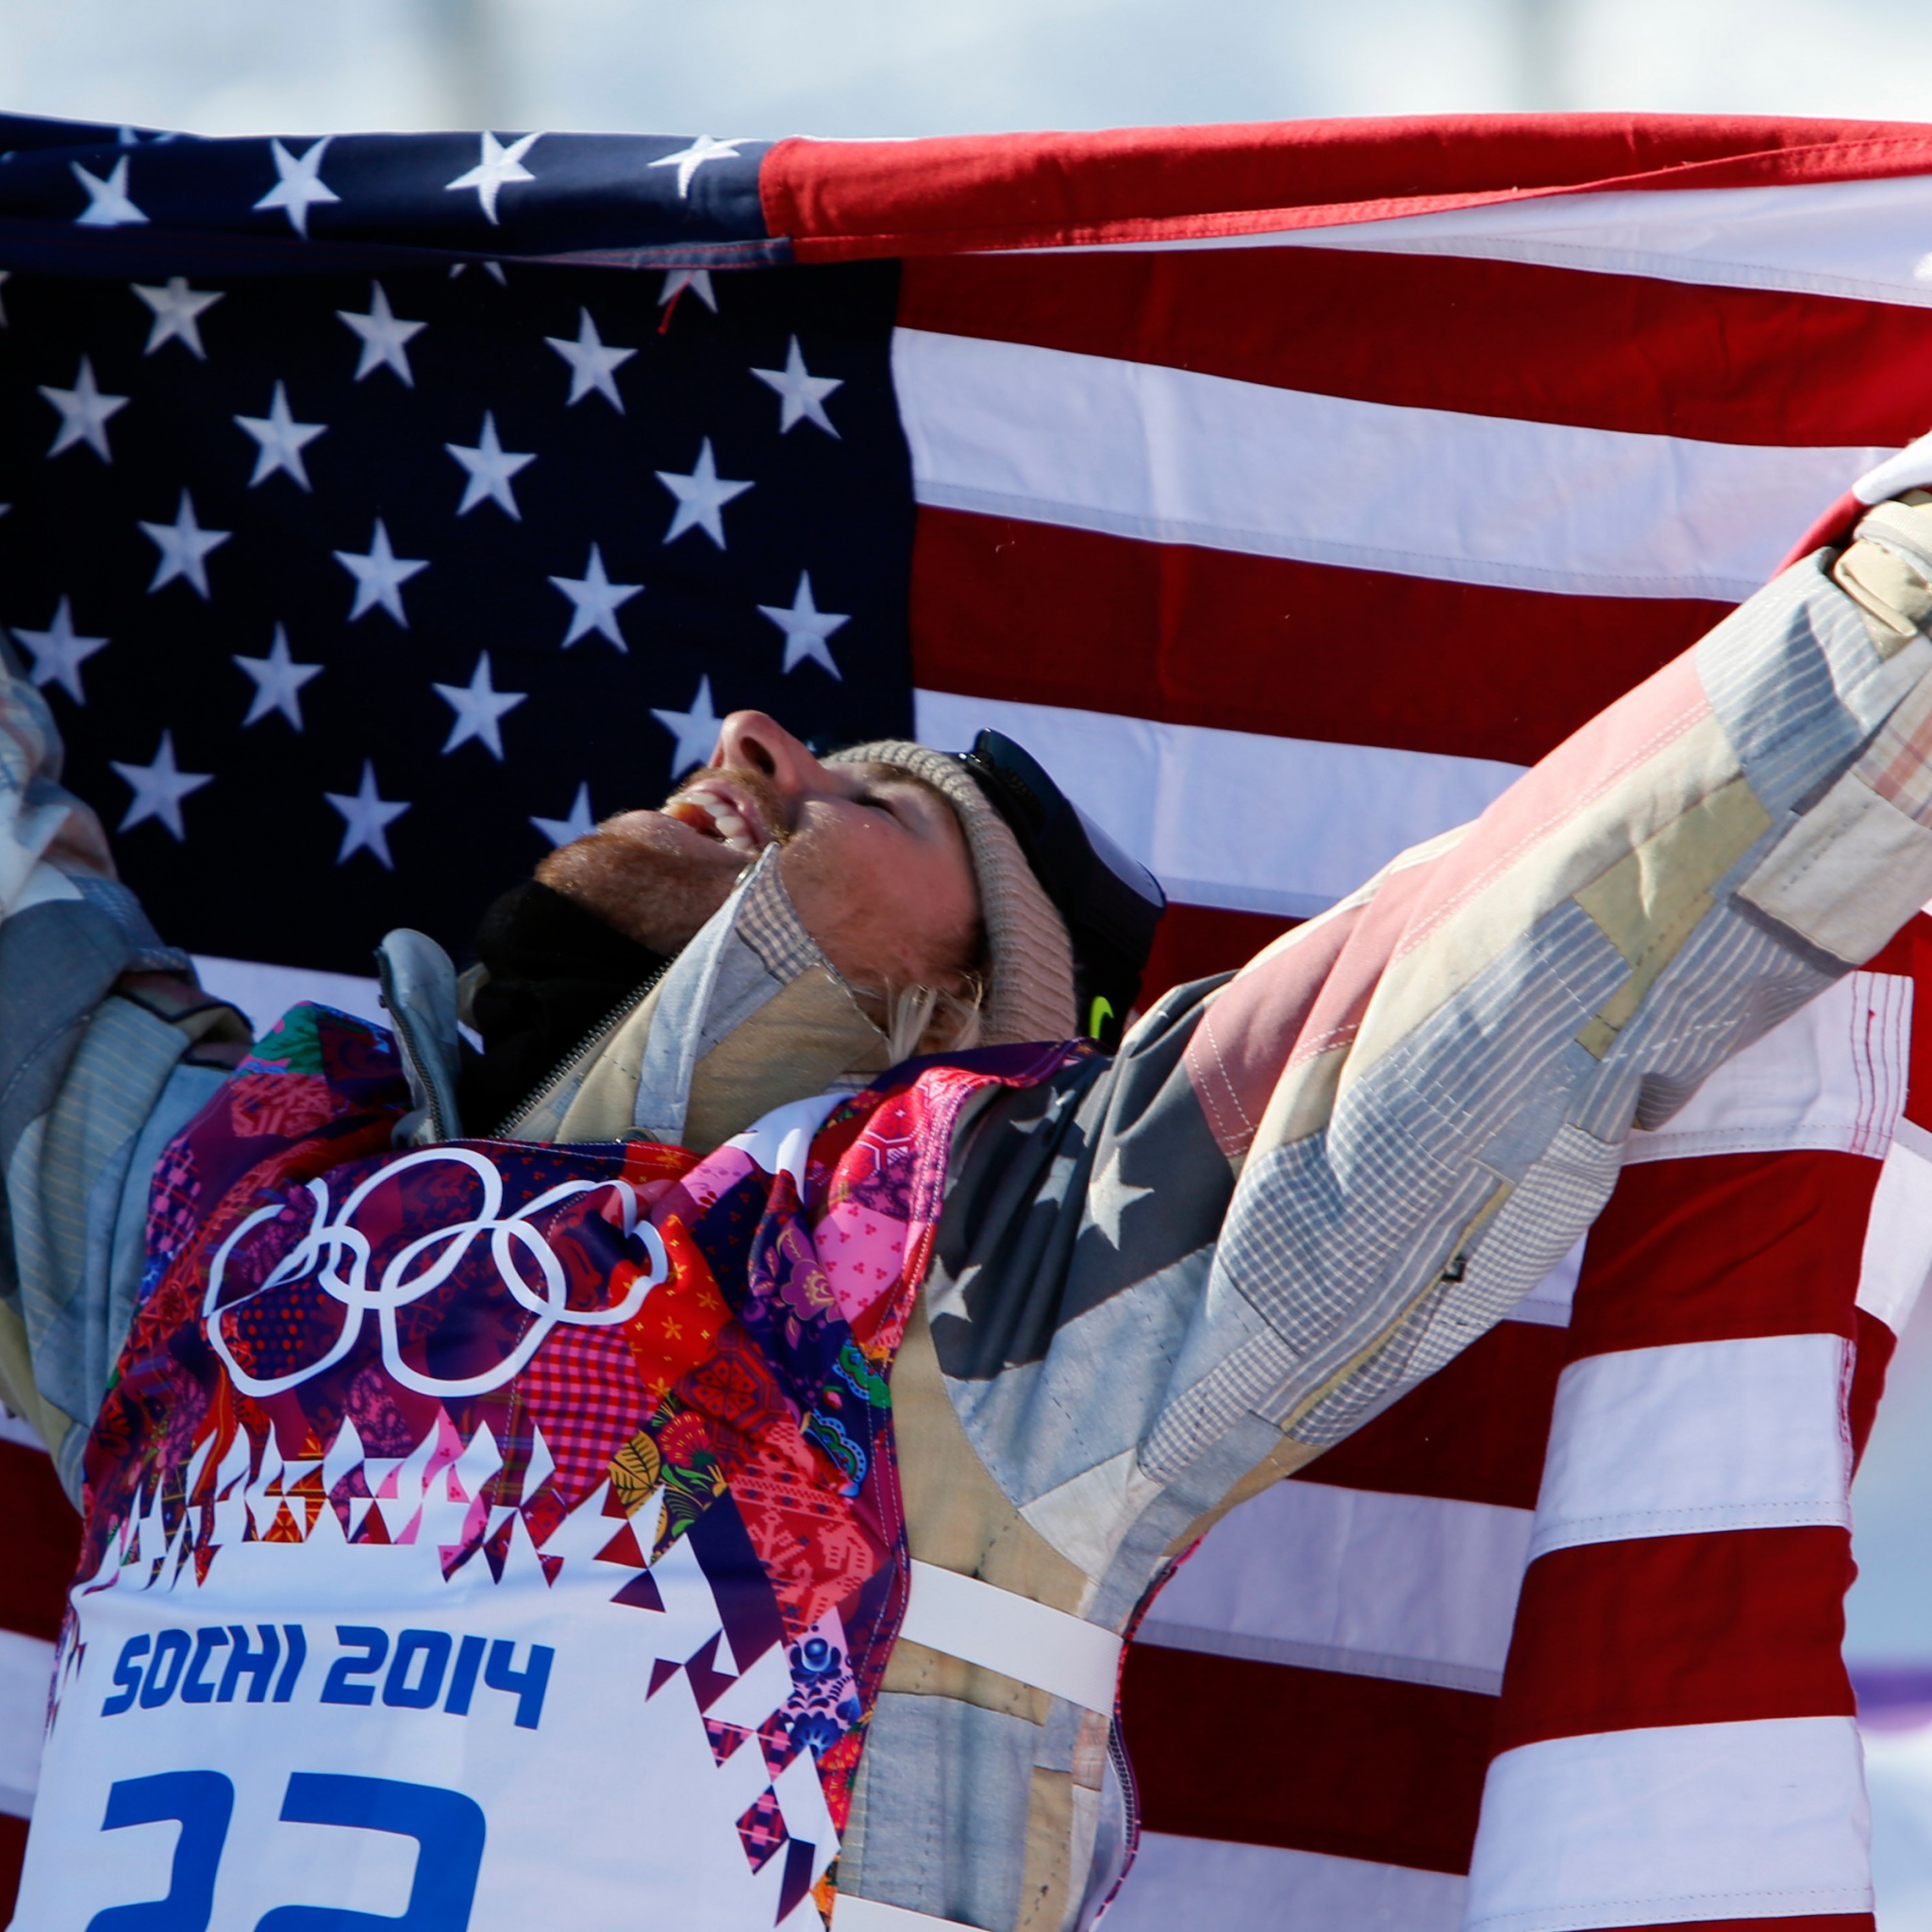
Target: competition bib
<point x="324" y="1730"/>
<point x="489" y="1536"/>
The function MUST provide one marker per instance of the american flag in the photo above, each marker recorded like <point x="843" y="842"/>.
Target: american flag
<point x="385" y="507"/>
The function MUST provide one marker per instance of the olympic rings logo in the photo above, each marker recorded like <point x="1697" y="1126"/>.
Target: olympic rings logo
<point x="331" y="1241"/>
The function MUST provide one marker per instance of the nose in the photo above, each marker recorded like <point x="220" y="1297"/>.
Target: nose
<point x="756" y="742"/>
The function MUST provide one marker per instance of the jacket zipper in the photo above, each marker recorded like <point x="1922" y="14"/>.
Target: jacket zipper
<point x="608" y="1024"/>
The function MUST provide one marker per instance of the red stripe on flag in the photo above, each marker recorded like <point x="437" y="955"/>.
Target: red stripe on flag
<point x="1047" y="615"/>
<point x="1197" y="942"/>
<point x="843" y="199"/>
<point x="12" y="1856"/>
<point x="1875" y="1345"/>
<point x="1505" y="338"/>
<point x="1475" y="1432"/>
<point x="1910" y="952"/>
<point x="1678" y="1630"/>
<point x="1910" y="946"/>
<point x="1722" y="1247"/>
<point x="1817" y="1922"/>
<point x="1313" y="1761"/>
<point x="43" y="1543"/>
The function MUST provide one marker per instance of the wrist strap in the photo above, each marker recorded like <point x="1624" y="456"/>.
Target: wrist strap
<point x="1062" y="1655"/>
<point x="868" y="1915"/>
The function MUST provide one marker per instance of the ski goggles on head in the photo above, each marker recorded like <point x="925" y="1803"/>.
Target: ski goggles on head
<point x="1112" y="902"/>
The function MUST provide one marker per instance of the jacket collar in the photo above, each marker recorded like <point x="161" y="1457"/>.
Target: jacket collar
<point x="749" y="1016"/>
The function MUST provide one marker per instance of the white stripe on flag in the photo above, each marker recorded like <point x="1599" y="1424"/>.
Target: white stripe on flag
<point x="1412" y="1588"/>
<point x="1212" y="1886"/>
<point x="1234" y="818"/>
<point x="1897" y="1254"/>
<point x="1693" y="1822"/>
<point x="1171" y="456"/>
<point x="266" y="993"/>
<point x="1861" y="239"/>
<point x="1832" y="1075"/>
<point x="27" y="1671"/>
<point x="1864" y="239"/>
<point x="1697" y="1436"/>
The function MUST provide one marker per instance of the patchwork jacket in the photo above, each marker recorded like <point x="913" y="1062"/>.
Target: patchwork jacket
<point x="1158" y="1281"/>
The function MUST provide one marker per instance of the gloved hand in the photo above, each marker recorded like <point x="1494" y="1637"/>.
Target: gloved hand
<point x="1911" y="469"/>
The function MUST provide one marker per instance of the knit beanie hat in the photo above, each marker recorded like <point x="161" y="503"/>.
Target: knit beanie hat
<point x="1030" y="994"/>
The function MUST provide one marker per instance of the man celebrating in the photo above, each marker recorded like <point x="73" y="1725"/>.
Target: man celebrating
<point x="694" y="1460"/>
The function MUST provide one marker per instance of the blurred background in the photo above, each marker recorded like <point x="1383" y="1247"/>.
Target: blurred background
<point x="847" y="68"/>
<point x="910" y="67"/>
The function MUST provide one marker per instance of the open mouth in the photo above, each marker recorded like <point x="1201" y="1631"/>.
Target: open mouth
<point x="717" y="809"/>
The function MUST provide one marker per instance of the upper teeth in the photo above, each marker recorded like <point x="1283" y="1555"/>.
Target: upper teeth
<point x="731" y="826"/>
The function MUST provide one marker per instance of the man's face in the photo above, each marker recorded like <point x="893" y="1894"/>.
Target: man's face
<point x="874" y="862"/>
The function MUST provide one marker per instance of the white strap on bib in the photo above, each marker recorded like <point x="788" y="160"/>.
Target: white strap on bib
<point x="1062" y="1655"/>
<point x="868" y="1915"/>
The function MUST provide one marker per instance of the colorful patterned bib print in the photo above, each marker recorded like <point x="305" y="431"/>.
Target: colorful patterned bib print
<point x="488" y="1533"/>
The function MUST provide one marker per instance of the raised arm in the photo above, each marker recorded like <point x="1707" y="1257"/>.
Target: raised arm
<point x="1301" y="1192"/>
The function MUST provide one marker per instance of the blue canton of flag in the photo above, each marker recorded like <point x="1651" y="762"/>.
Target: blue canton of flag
<point x="361" y="566"/>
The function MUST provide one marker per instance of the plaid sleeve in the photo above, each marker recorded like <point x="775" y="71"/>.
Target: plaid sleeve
<point x="1300" y="1192"/>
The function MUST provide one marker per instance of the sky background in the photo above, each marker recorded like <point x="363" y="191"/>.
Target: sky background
<point x="913" y="67"/>
<point x="910" y="67"/>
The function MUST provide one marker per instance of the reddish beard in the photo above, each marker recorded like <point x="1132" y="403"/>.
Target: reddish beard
<point x="646" y="879"/>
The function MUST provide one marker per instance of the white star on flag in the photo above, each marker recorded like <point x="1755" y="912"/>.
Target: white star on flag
<point x="594" y="603"/>
<point x="802" y="393"/>
<point x="1111" y="1198"/>
<point x="491" y="467"/>
<point x="278" y="681"/>
<point x="385" y="337"/>
<point x="499" y="165"/>
<point x="696" y="730"/>
<point x="805" y="628"/>
<point x="480" y="707"/>
<point x="578" y="825"/>
<point x="108" y="205"/>
<point x="688" y="160"/>
<point x="380" y="576"/>
<point x="159" y="788"/>
<point x="698" y="280"/>
<point x="280" y="440"/>
<point x="700" y="497"/>
<point x="60" y="652"/>
<point x="366" y="819"/>
<point x="184" y="546"/>
<point x="177" y="311"/>
<point x="591" y="365"/>
<point x="84" y="412"/>
<point x="300" y="185"/>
